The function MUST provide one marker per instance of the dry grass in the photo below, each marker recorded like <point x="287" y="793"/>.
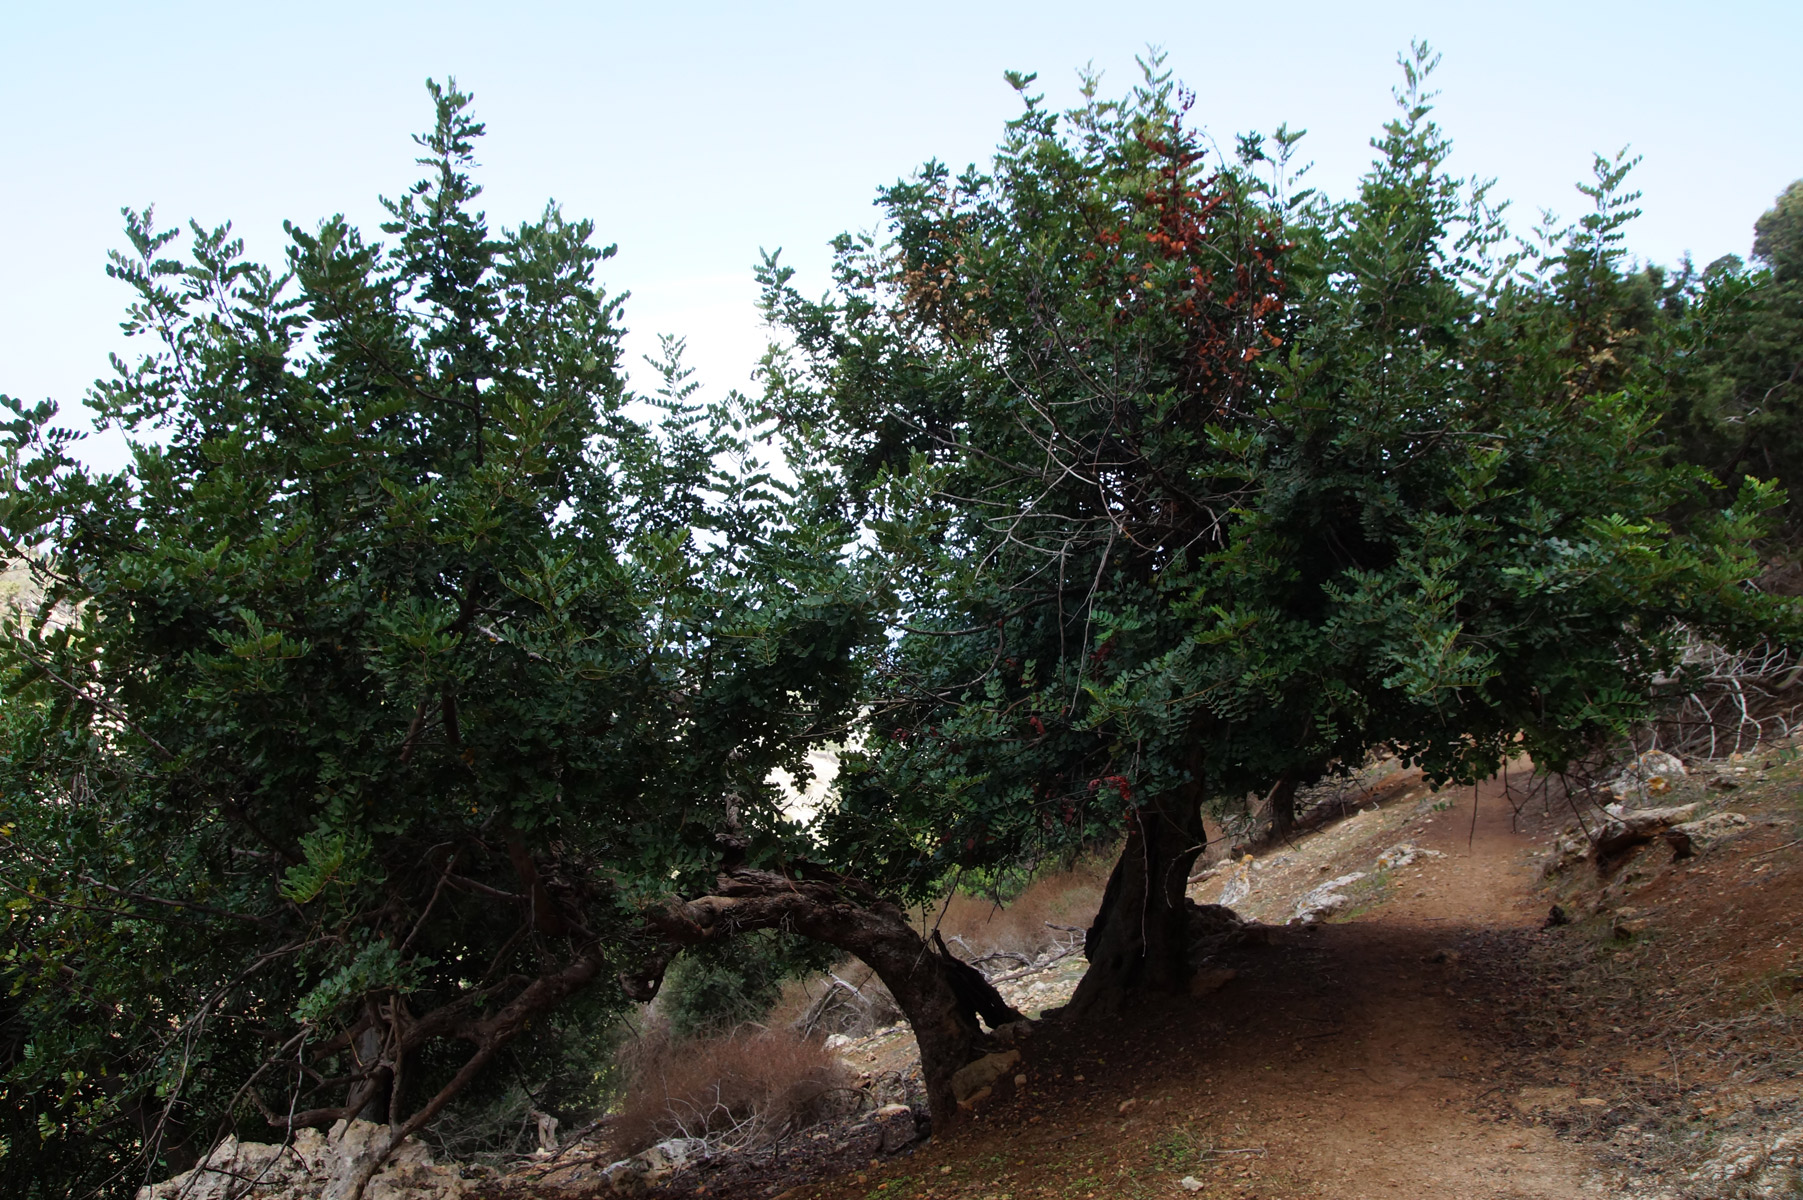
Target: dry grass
<point x="750" y="1088"/>
<point x="848" y="999"/>
<point x="979" y="927"/>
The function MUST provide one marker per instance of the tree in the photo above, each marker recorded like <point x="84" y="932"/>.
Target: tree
<point x="1736" y="368"/>
<point x="369" y="710"/>
<point x="1195" y="486"/>
<point x="417" y="680"/>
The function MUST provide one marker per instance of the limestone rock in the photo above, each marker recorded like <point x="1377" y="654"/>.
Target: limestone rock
<point x="1744" y="1166"/>
<point x="1650" y="775"/>
<point x="1239" y="884"/>
<point x="1569" y="848"/>
<point x="1630" y="827"/>
<point x="1214" y="928"/>
<point x="1325" y="900"/>
<point x="1694" y="837"/>
<point x="648" y="1168"/>
<point x="982" y="1074"/>
<point x="313" y="1165"/>
<point x="1402" y="854"/>
<point x="1012" y="1033"/>
<point x="897" y="1125"/>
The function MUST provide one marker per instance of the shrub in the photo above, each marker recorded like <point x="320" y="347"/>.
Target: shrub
<point x="747" y="1088"/>
<point x="568" y="1066"/>
<point x="715" y="988"/>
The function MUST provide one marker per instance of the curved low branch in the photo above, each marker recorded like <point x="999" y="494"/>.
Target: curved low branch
<point x="941" y="996"/>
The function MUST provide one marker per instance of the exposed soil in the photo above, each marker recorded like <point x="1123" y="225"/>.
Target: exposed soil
<point x="1432" y="1040"/>
<point x="1343" y="1060"/>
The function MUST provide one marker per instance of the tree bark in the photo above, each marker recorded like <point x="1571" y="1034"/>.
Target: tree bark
<point x="489" y="1035"/>
<point x="1280" y="804"/>
<point x="1141" y="935"/>
<point x="940" y="1000"/>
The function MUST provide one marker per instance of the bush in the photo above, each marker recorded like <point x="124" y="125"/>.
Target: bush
<point x="568" y="1066"/>
<point x="747" y="1088"/>
<point x="713" y="989"/>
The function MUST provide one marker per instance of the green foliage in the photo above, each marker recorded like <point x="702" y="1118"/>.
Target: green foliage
<point x="409" y="657"/>
<point x="353" y="725"/>
<point x="1735" y="363"/>
<point x="1188" y="479"/>
<point x="569" y="1067"/>
<point x="714" y="988"/>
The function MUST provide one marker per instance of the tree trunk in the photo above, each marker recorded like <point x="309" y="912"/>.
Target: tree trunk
<point x="374" y="1099"/>
<point x="1280" y="805"/>
<point x="1140" y="938"/>
<point x="940" y="1000"/>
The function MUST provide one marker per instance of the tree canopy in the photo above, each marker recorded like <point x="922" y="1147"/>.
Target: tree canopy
<point x="1736" y="359"/>
<point x="1196" y="485"/>
<point x="418" y="679"/>
<point x="366" y="707"/>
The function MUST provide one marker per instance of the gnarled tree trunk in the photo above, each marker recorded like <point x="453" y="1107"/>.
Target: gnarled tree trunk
<point x="1140" y="938"/>
<point x="940" y="995"/>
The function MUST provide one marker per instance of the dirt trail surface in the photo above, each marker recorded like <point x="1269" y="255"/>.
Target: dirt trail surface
<point x="1420" y="1032"/>
<point x="1342" y="1060"/>
<point x="1360" y="1056"/>
<point x="1428" y="1039"/>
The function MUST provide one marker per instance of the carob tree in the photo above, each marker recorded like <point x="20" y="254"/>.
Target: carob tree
<point x="1194" y="485"/>
<point x="942" y="996"/>
<point x="407" y="664"/>
<point x="410" y="681"/>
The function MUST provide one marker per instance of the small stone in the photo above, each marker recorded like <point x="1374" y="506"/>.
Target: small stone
<point x="1190" y="1183"/>
<point x="1127" y="1106"/>
<point x="1325" y="900"/>
<point x="896" y="1121"/>
<point x="1020" y="1081"/>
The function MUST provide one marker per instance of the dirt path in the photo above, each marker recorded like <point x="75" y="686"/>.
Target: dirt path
<point x="1345" y="1061"/>
<point x="1394" y="1068"/>
<point x="1428" y="1040"/>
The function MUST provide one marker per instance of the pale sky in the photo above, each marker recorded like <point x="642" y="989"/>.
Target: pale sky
<point x="695" y="133"/>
